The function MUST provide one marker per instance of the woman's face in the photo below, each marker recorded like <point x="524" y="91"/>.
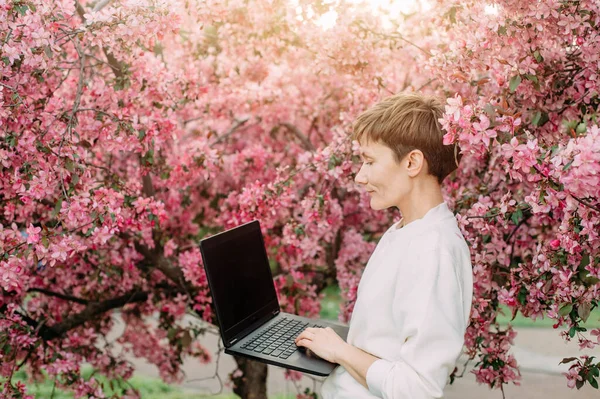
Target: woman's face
<point x="385" y="179"/>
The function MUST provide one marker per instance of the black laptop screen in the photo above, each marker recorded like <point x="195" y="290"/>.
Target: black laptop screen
<point x="239" y="276"/>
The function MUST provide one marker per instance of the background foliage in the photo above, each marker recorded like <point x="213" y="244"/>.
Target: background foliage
<point x="131" y="129"/>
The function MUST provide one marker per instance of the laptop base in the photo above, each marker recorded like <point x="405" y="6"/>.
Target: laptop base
<point x="297" y="361"/>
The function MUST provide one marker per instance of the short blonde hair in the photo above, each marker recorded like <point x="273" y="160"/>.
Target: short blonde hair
<point x="406" y="122"/>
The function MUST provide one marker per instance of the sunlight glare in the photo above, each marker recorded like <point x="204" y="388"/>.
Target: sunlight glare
<point x="387" y="10"/>
<point x="491" y="9"/>
<point x="327" y="20"/>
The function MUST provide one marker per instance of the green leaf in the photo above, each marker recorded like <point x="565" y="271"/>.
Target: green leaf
<point x="186" y="339"/>
<point x="333" y="161"/>
<point x="148" y="158"/>
<point x="142" y="134"/>
<point x="568" y="360"/>
<point x="569" y="125"/>
<point x="581" y="128"/>
<point x="584" y="310"/>
<point x="517" y="216"/>
<point x="538" y="57"/>
<point x="592" y="381"/>
<point x="289" y="279"/>
<point x="585" y="260"/>
<point x="74" y="179"/>
<point x="57" y="207"/>
<point x="515" y="81"/>
<point x="321" y="200"/>
<point x="490" y="111"/>
<point x="69" y="165"/>
<point x="502" y="30"/>
<point x="522" y="296"/>
<point x="572" y="332"/>
<point x="539" y="118"/>
<point x="21" y="9"/>
<point x="565" y="309"/>
<point x="532" y="78"/>
<point x="12" y="141"/>
<point x="567" y="166"/>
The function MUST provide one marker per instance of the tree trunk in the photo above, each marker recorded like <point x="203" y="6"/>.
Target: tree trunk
<point x="252" y="384"/>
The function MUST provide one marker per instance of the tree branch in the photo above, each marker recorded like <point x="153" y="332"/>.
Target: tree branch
<point x="7" y="86"/>
<point x="582" y="202"/>
<point x="116" y="66"/>
<point x="59" y="295"/>
<point x="238" y="123"/>
<point x="97" y="308"/>
<point x="147" y="187"/>
<point x="92" y="310"/>
<point x="173" y="273"/>
<point x="305" y="141"/>
<point x="396" y="35"/>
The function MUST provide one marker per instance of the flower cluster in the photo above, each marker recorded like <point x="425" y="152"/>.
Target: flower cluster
<point x="130" y="130"/>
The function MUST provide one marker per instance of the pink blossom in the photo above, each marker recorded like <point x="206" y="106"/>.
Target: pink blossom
<point x="454" y="106"/>
<point x="33" y="234"/>
<point x="596" y="333"/>
<point x="12" y="53"/>
<point x="125" y="171"/>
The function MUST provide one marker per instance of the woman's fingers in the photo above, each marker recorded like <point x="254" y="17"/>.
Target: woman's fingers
<point x="310" y="330"/>
<point x="305" y="335"/>
<point x="303" y="342"/>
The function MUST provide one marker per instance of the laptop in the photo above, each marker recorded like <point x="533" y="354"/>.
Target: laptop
<point x="245" y="301"/>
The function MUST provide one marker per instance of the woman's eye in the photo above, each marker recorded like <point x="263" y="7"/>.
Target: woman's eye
<point x="368" y="163"/>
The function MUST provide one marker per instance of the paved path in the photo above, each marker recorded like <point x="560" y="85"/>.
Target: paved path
<point x="538" y="352"/>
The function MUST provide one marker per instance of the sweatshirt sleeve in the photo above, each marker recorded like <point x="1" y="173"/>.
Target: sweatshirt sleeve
<point x="429" y="315"/>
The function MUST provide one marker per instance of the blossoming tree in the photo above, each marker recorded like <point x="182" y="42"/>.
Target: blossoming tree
<point x="132" y="129"/>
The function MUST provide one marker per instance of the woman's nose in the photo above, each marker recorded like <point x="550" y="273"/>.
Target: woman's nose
<point x="361" y="177"/>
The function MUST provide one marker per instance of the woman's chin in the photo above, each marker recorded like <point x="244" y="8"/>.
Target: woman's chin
<point x="376" y="206"/>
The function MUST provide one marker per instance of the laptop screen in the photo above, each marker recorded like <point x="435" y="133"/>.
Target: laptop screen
<point x="239" y="276"/>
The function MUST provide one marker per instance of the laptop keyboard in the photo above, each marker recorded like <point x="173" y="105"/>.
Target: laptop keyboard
<point x="278" y="340"/>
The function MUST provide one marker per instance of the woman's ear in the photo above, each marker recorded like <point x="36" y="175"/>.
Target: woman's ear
<point x="415" y="161"/>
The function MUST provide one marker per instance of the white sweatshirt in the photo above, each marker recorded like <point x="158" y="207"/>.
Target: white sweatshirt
<point x="412" y="310"/>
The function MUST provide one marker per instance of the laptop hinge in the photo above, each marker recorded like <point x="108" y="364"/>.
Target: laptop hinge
<point x="252" y="327"/>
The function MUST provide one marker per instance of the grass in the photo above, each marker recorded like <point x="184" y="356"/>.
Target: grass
<point x="521" y="321"/>
<point x="149" y="388"/>
<point x="331" y="303"/>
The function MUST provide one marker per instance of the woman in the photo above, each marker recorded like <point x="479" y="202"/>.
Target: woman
<point x="414" y="298"/>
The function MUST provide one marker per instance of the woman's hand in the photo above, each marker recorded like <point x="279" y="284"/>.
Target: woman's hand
<point x="323" y="342"/>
